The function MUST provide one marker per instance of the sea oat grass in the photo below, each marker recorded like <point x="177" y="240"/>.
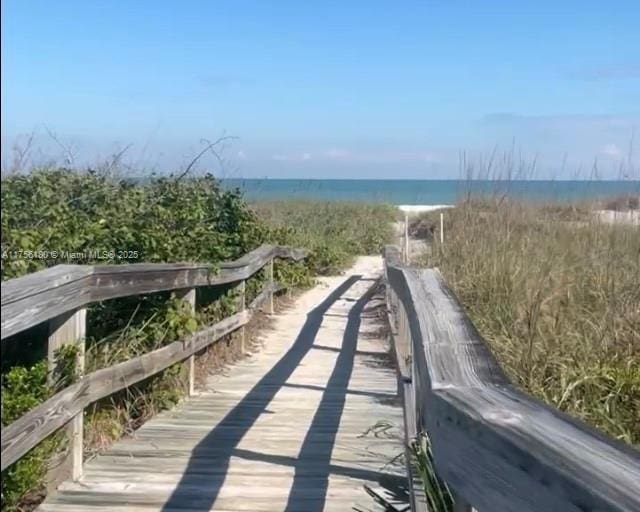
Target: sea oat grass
<point x="333" y="231"/>
<point x="557" y="297"/>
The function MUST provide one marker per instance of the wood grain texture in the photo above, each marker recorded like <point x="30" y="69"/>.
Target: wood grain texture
<point x="271" y="281"/>
<point x="401" y="345"/>
<point x="497" y="447"/>
<point x="188" y="295"/>
<point x="34" y="298"/>
<point x="241" y="306"/>
<point x="23" y="434"/>
<point x="69" y="328"/>
<point x="301" y="425"/>
<point x="266" y="294"/>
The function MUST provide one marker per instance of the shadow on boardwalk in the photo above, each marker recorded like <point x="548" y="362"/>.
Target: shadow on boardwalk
<point x="326" y="419"/>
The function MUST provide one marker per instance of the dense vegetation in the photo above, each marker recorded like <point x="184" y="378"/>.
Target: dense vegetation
<point x="163" y="220"/>
<point x="333" y="231"/>
<point x="54" y="216"/>
<point x="557" y="296"/>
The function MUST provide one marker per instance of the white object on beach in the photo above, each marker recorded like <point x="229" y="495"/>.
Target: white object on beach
<point x="616" y="217"/>
<point x="421" y="208"/>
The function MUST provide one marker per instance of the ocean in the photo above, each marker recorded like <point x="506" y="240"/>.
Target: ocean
<point x="426" y="192"/>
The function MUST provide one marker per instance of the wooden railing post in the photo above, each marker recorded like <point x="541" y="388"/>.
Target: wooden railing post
<point x="71" y="288"/>
<point x="406" y="238"/>
<point x="270" y="277"/>
<point x="242" y="304"/>
<point x="189" y="296"/>
<point x="68" y="328"/>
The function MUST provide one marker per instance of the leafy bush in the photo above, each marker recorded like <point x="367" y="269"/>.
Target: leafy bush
<point x="23" y="388"/>
<point x="163" y="220"/>
<point x="55" y="216"/>
<point x="60" y="214"/>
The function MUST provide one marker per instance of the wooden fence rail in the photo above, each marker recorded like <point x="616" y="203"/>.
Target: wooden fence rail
<point x="495" y="446"/>
<point x="60" y="295"/>
<point x="34" y="298"/>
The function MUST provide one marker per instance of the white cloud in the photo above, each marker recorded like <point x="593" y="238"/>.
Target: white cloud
<point x="338" y="154"/>
<point x="292" y="157"/>
<point x="613" y="151"/>
<point x="396" y="156"/>
<point x="348" y="155"/>
<point x="242" y="155"/>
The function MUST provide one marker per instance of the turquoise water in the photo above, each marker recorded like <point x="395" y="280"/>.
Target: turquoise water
<point x="426" y="191"/>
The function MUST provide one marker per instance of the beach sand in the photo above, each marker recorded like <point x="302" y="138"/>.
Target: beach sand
<point x="415" y="209"/>
<point x="615" y="217"/>
<point x="606" y="216"/>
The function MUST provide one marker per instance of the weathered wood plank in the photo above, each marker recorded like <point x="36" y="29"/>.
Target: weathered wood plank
<point x="36" y="282"/>
<point x="392" y="256"/>
<point x="29" y="300"/>
<point x="271" y="285"/>
<point x="267" y="293"/>
<point x="242" y="303"/>
<point x="497" y="447"/>
<point x="24" y="433"/>
<point x="401" y="344"/>
<point x="69" y="328"/>
<point x="293" y="427"/>
<point x="189" y="296"/>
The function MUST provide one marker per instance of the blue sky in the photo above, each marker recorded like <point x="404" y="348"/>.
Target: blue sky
<point x="325" y="89"/>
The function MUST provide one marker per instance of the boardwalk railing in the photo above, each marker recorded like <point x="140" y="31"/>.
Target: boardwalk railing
<point x="496" y="447"/>
<point x="59" y="296"/>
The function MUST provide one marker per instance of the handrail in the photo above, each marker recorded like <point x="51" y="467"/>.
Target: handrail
<point x="34" y="298"/>
<point x="495" y="446"/>
<point x="60" y="293"/>
<point x="41" y="421"/>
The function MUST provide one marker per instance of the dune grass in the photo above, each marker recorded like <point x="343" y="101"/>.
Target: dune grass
<point x="334" y="231"/>
<point x="557" y="297"/>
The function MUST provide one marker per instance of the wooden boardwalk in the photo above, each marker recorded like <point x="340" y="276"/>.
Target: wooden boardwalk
<point x="308" y="423"/>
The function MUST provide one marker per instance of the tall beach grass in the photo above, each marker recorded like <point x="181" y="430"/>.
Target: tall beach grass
<point x="556" y="294"/>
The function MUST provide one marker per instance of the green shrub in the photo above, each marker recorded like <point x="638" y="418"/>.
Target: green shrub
<point x="92" y="218"/>
<point x="161" y="220"/>
<point x="22" y="390"/>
